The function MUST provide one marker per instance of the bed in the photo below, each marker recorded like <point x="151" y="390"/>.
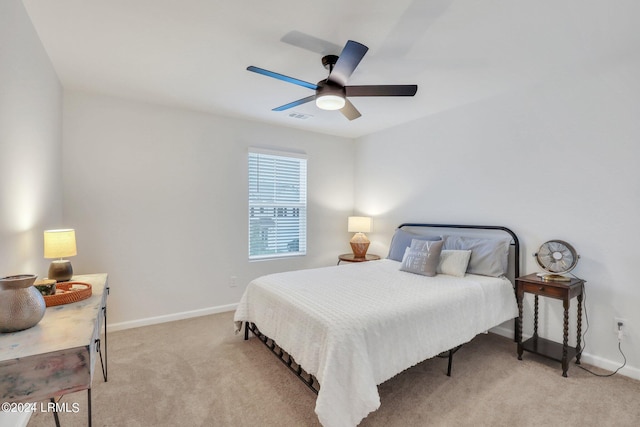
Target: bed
<point x="345" y="329"/>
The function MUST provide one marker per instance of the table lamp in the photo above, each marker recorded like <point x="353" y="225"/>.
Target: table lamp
<point x="60" y="244"/>
<point x="359" y="242"/>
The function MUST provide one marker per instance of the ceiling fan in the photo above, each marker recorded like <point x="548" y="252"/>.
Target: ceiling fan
<point x="332" y="93"/>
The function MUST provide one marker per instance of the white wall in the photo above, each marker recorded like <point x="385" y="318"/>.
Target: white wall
<point x="30" y="144"/>
<point x="558" y="160"/>
<point x="158" y="198"/>
<point x="30" y="151"/>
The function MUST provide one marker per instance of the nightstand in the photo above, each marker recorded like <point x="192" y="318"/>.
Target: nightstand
<point x="352" y="258"/>
<point x="564" y="291"/>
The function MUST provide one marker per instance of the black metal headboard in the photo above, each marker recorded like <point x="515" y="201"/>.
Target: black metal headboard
<point x="515" y="243"/>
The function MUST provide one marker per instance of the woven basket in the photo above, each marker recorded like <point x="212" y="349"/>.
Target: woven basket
<point x="65" y="295"/>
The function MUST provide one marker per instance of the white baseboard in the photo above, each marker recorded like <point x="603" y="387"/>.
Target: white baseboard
<point x="171" y="317"/>
<point x="627" y="371"/>
<point x="502" y="331"/>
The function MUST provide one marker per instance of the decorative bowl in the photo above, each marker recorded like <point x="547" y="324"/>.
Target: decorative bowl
<point x="46" y="286"/>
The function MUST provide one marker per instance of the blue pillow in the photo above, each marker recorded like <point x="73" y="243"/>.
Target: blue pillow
<point x="489" y="257"/>
<point x="402" y="240"/>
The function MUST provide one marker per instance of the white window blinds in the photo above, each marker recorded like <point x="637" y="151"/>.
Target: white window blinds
<point x="277" y="205"/>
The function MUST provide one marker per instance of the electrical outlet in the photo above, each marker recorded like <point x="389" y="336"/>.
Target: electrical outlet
<point x="624" y="327"/>
<point x="232" y="281"/>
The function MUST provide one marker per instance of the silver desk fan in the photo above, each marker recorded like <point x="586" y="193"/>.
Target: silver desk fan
<point x="557" y="257"/>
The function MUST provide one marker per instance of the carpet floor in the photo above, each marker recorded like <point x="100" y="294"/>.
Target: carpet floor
<point x="197" y="372"/>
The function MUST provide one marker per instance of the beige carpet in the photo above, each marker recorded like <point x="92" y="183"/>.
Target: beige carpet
<point x="196" y="372"/>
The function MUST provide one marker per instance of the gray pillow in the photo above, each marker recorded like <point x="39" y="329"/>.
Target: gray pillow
<point x="489" y="257"/>
<point x="402" y="240"/>
<point x="422" y="257"/>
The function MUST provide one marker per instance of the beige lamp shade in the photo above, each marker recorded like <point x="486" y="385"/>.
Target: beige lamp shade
<point x="359" y="224"/>
<point x="60" y="243"/>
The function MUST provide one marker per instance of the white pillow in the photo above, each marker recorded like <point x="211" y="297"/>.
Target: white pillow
<point x="453" y="263"/>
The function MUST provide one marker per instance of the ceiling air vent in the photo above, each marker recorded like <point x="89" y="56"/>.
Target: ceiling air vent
<point x="300" y="116"/>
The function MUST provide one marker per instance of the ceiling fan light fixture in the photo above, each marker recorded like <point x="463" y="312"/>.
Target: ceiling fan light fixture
<point x="330" y="102"/>
<point x="332" y="92"/>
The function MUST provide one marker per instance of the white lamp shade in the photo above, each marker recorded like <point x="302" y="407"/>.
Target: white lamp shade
<point x="359" y="224"/>
<point x="60" y="243"/>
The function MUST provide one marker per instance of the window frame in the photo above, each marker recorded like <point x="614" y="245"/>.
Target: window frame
<point x="281" y="204"/>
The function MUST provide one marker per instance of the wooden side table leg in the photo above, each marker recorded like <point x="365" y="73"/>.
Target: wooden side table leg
<point x="519" y="297"/>
<point x="565" y="338"/>
<point x="579" y="337"/>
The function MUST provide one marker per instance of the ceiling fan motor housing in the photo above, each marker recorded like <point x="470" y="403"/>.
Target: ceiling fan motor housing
<point x="326" y="87"/>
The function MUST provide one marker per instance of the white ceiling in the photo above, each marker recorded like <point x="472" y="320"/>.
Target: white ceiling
<point x="193" y="53"/>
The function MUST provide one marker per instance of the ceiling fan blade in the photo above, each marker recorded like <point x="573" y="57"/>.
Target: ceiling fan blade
<point x="282" y="77"/>
<point x="311" y="43"/>
<point x="295" y="103"/>
<point x="349" y="111"/>
<point x="381" y="90"/>
<point x="348" y="60"/>
<point x="414" y="22"/>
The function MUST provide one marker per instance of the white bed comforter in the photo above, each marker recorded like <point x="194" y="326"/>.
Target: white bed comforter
<point x="357" y="325"/>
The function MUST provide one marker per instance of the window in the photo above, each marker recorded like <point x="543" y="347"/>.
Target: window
<point x="277" y="204"/>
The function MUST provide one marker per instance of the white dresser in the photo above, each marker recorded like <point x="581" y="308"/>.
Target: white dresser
<point x="58" y="355"/>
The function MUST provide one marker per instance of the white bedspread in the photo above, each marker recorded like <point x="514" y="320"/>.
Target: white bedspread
<point x="355" y="326"/>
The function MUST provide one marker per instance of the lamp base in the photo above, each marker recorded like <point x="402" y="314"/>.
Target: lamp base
<point x="359" y="245"/>
<point x="359" y="249"/>
<point x="60" y="270"/>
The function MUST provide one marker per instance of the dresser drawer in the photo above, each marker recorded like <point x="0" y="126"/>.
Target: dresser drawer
<point x="544" y="290"/>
